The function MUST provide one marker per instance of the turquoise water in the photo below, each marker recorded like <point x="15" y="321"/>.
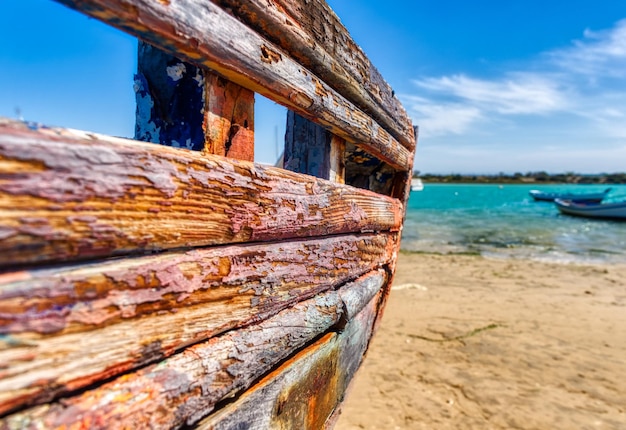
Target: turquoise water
<point x="504" y="221"/>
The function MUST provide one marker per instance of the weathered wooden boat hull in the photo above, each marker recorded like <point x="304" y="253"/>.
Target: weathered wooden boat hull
<point x="615" y="211"/>
<point x="168" y="281"/>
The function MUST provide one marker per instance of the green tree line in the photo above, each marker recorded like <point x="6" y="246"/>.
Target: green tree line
<point x="526" y="178"/>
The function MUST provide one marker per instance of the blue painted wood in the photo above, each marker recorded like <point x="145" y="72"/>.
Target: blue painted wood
<point x="307" y="147"/>
<point x="170" y="100"/>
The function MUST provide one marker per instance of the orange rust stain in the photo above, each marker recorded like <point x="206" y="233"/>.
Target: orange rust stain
<point x="224" y="266"/>
<point x="314" y="396"/>
<point x="268" y="55"/>
<point x="8" y="166"/>
<point x="319" y="88"/>
<point x="93" y="287"/>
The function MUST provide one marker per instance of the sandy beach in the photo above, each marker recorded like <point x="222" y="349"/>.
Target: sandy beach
<point x="473" y="343"/>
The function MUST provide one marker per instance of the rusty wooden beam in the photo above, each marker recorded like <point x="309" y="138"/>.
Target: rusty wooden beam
<point x="67" y="195"/>
<point x="338" y="160"/>
<point x="182" y="389"/>
<point x="229" y="119"/>
<point x="305" y="392"/>
<point x="66" y="328"/>
<point x="313" y="35"/>
<point x="184" y="106"/>
<point x="205" y="34"/>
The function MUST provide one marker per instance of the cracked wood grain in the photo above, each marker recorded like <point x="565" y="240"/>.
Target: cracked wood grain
<point x="305" y="392"/>
<point x="65" y="328"/>
<point x="186" y="387"/>
<point x="313" y="35"/>
<point x="204" y="34"/>
<point x="229" y="119"/>
<point x="66" y="195"/>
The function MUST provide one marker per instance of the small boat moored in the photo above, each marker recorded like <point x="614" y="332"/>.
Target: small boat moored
<point x="577" y="197"/>
<point x="417" y="184"/>
<point x="592" y="210"/>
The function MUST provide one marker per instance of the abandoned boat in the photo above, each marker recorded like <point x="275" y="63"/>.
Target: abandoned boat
<point x="147" y="286"/>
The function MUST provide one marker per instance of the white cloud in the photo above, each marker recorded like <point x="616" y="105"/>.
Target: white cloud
<point x="517" y="93"/>
<point x="603" y="108"/>
<point x="598" y="54"/>
<point x="571" y="97"/>
<point x="441" y="118"/>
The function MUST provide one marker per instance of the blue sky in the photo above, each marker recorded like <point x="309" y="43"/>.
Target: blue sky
<point x="494" y="86"/>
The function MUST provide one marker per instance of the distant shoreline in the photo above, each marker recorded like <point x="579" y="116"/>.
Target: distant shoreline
<point x="539" y="178"/>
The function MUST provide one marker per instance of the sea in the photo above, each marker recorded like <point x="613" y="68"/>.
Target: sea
<point x="503" y="221"/>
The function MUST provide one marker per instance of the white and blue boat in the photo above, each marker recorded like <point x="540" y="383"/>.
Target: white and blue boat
<point x="417" y="184"/>
<point x="615" y="210"/>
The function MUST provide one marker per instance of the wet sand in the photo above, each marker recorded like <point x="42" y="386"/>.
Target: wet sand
<point x="473" y="343"/>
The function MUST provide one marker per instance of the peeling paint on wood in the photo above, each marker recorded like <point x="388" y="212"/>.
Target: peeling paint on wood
<point x="170" y="100"/>
<point x="128" y="313"/>
<point x="186" y="387"/>
<point x="312" y="150"/>
<point x="206" y="35"/>
<point x="183" y="106"/>
<point x="304" y="392"/>
<point x="307" y="147"/>
<point x="269" y="327"/>
<point x="83" y="297"/>
<point x="229" y="119"/>
<point x="66" y="197"/>
<point x="313" y="35"/>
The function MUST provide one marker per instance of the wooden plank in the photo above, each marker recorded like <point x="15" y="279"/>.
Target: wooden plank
<point x="181" y="105"/>
<point x="203" y="33"/>
<point x="67" y="195"/>
<point x="338" y="160"/>
<point x="170" y="100"/>
<point x="312" y="150"/>
<point x="304" y="392"/>
<point x="187" y="386"/>
<point x="229" y="119"/>
<point x="313" y="35"/>
<point x="64" y="329"/>
<point x="54" y="300"/>
<point x="307" y="147"/>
